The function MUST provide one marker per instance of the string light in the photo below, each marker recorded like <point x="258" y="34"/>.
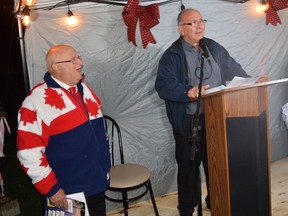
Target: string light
<point x="265" y="5"/>
<point x="26" y="16"/>
<point x="29" y="2"/>
<point x="23" y="11"/>
<point x="71" y="19"/>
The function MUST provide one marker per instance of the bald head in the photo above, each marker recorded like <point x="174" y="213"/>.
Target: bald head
<point x="186" y="12"/>
<point x="64" y="63"/>
<point x="191" y="26"/>
<point x="54" y="54"/>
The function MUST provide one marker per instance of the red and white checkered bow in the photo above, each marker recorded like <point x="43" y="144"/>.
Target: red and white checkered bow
<point x="148" y="17"/>
<point x="271" y="14"/>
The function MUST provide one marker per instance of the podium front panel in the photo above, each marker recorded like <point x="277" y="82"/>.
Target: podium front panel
<point x="248" y="171"/>
<point x="245" y="103"/>
<point x="238" y="152"/>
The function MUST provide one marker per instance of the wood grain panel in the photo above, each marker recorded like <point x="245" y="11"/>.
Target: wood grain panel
<point x="238" y="102"/>
<point x="217" y="156"/>
<point x="246" y="102"/>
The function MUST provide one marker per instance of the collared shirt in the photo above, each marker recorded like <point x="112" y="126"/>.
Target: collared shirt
<point x="211" y="72"/>
<point x="63" y="85"/>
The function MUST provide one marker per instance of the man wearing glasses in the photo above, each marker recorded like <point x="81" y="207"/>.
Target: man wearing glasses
<point x="177" y="83"/>
<point x="61" y="139"/>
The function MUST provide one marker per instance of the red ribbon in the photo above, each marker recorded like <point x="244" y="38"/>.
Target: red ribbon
<point x="272" y="16"/>
<point x="148" y="17"/>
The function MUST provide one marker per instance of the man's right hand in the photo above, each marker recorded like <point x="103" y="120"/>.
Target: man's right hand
<point x="59" y="199"/>
<point x="193" y="93"/>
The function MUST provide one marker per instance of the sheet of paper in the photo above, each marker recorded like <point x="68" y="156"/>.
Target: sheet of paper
<point x="240" y="81"/>
<point x="215" y="89"/>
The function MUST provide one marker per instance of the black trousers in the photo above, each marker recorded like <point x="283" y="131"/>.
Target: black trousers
<point x="96" y="204"/>
<point x="188" y="177"/>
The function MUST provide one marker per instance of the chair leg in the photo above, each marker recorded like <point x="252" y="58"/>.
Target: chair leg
<point x="152" y="198"/>
<point x="125" y="202"/>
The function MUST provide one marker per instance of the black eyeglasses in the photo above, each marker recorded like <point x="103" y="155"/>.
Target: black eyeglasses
<point x="73" y="60"/>
<point x="205" y="76"/>
<point x="195" y="22"/>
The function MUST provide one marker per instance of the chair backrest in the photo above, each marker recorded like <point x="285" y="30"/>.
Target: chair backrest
<point x="114" y="137"/>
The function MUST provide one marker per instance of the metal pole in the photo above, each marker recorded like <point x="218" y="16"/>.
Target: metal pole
<point x="24" y="63"/>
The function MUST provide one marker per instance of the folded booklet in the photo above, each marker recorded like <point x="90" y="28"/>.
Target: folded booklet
<point x="76" y="207"/>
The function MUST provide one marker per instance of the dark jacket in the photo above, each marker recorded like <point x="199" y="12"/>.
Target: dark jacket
<point x="171" y="83"/>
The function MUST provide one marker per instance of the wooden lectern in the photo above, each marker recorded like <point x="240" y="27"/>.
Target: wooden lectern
<point x="238" y="148"/>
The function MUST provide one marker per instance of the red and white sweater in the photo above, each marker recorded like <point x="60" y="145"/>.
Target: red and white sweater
<point x="59" y="145"/>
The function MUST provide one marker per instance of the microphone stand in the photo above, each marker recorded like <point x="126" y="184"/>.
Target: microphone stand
<point x="195" y="127"/>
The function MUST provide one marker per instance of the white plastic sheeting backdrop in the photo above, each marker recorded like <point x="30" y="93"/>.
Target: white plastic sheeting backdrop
<point x="123" y="75"/>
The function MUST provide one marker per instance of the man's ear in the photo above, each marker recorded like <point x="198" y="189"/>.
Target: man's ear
<point x="55" y="67"/>
<point x="181" y="30"/>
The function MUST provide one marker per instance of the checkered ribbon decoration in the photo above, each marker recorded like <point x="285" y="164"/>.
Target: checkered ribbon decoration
<point x="148" y="17"/>
<point x="272" y="16"/>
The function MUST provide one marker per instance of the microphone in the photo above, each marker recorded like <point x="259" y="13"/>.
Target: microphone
<point x="202" y="44"/>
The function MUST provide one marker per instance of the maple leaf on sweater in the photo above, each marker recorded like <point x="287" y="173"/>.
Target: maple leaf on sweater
<point x="27" y="115"/>
<point x="44" y="161"/>
<point x="92" y="107"/>
<point x="54" y="99"/>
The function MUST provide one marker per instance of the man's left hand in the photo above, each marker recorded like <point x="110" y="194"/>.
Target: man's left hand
<point x="263" y="78"/>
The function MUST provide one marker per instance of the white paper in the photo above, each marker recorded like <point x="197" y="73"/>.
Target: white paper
<point x="241" y="81"/>
<point x="285" y="114"/>
<point x="235" y="82"/>
<point x="215" y="89"/>
<point x="80" y="197"/>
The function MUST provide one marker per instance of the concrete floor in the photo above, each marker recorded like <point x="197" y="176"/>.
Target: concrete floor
<point x="167" y="204"/>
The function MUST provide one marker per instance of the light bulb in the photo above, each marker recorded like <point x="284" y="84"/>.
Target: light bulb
<point x="26" y="20"/>
<point x="26" y="16"/>
<point x="265" y="5"/>
<point x="29" y="2"/>
<point x="71" y="20"/>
